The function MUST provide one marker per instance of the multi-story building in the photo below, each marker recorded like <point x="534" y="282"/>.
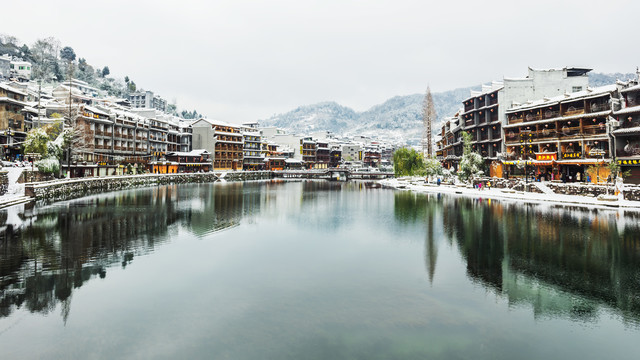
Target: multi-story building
<point x="335" y="155"/>
<point x="105" y="139"/>
<point x="223" y="140"/>
<point x="451" y="142"/>
<point x="627" y="134"/>
<point x="147" y="100"/>
<point x="323" y="154"/>
<point x="12" y="129"/>
<point x="372" y="156"/>
<point x="253" y="158"/>
<point x="561" y="137"/>
<point x="351" y="152"/>
<point x="483" y="114"/>
<point x="308" y="151"/>
<point x="20" y="69"/>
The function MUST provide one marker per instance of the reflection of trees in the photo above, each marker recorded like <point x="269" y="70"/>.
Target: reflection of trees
<point x="532" y="255"/>
<point x="63" y="246"/>
<point x="411" y="208"/>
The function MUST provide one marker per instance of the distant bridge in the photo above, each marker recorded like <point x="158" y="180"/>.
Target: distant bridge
<point x="336" y="174"/>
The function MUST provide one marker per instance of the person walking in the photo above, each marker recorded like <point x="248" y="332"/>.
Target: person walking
<point x="578" y="176"/>
<point x="488" y="185"/>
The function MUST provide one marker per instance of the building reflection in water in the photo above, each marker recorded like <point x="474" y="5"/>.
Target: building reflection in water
<point x="568" y="262"/>
<point x="47" y="252"/>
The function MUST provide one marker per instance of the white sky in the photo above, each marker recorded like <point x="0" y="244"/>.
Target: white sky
<point x="244" y="60"/>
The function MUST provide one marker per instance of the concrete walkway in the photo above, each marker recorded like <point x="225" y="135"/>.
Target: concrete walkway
<point x="591" y="202"/>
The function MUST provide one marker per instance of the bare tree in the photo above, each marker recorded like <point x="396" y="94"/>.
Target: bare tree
<point x="428" y="118"/>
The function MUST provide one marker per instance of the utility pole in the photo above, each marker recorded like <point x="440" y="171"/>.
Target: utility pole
<point x="70" y="124"/>
<point x="428" y="118"/>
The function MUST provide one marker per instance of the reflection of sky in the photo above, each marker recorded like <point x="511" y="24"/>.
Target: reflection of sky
<point x="307" y="279"/>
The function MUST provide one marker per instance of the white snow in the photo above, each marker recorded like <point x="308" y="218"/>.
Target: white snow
<point x="419" y="185"/>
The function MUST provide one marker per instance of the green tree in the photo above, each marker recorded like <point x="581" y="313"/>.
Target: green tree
<point x="471" y="163"/>
<point x="407" y="162"/>
<point x="67" y="53"/>
<point x="105" y="71"/>
<point x="433" y="167"/>
<point x="36" y="142"/>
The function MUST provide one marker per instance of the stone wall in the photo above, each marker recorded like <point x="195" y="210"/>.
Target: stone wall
<point x="247" y="175"/>
<point x="28" y="176"/>
<point x="631" y="192"/>
<point x="4" y="182"/>
<point x="514" y="184"/>
<point x="74" y="188"/>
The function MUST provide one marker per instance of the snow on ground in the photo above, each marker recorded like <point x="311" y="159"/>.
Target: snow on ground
<point x="14" y="187"/>
<point x="419" y="185"/>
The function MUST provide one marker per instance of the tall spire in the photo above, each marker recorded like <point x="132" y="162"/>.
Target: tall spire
<point x="428" y="118"/>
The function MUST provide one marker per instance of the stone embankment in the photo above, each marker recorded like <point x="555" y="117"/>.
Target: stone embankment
<point x="4" y="182"/>
<point x="631" y="192"/>
<point x="65" y="189"/>
<point x="73" y="188"/>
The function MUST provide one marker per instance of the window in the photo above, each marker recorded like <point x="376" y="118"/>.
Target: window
<point x="576" y="88"/>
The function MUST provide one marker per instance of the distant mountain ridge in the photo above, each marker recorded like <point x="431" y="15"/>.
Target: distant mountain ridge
<point x="398" y="119"/>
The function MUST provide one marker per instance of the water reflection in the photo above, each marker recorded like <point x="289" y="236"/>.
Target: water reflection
<point x="561" y="262"/>
<point x="55" y="249"/>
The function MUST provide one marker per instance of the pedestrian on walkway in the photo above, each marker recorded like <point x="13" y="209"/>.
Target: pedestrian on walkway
<point x="488" y="185"/>
<point x="578" y="177"/>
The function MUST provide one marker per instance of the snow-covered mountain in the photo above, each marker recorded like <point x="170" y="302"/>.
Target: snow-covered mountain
<point x="399" y="118"/>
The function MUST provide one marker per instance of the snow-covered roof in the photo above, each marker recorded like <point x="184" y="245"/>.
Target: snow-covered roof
<point x="628" y="110"/>
<point x="12" y="89"/>
<point x="12" y="101"/>
<point x="198" y="152"/>
<point x="627" y="131"/>
<point x="215" y="122"/>
<point x="632" y="88"/>
<point x="96" y="110"/>
<point x="580" y="95"/>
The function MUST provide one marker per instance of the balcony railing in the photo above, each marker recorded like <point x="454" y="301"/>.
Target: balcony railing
<point x="572" y="112"/>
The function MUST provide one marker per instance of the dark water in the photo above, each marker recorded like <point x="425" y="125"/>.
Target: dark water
<point x="316" y="270"/>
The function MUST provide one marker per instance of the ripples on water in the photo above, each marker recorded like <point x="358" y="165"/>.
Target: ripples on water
<point x="557" y="263"/>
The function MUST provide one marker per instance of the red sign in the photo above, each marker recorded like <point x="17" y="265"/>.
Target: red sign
<point x="546" y="156"/>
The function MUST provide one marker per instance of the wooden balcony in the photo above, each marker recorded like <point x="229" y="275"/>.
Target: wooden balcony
<point x="573" y="112"/>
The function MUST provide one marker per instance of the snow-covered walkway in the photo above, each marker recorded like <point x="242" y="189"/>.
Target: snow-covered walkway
<point x="418" y="185"/>
<point x="544" y="188"/>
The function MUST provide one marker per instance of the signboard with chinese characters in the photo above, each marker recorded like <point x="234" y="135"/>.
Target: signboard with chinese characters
<point x="546" y="156"/>
<point x="571" y="155"/>
<point x="629" y="162"/>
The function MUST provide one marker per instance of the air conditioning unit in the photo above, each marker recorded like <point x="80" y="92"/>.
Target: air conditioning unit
<point x="614" y="123"/>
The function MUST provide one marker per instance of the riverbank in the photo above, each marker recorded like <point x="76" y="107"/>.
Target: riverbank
<point x="65" y="189"/>
<point x="420" y="186"/>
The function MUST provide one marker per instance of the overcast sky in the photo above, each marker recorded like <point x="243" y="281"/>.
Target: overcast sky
<point x="242" y="60"/>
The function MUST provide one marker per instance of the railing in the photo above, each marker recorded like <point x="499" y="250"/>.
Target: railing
<point x="573" y="112"/>
<point x="532" y="117"/>
<point x="599" y="107"/>
<point x="550" y="114"/>
<point x="597" y="129"/>
<point x="516" y="120"/>
<point x="566" y="131"/>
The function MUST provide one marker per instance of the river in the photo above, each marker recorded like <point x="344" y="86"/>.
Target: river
<point x="316" y="270"/>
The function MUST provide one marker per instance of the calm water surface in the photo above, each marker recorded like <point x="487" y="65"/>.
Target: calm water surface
<point x="316" y="270"/>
